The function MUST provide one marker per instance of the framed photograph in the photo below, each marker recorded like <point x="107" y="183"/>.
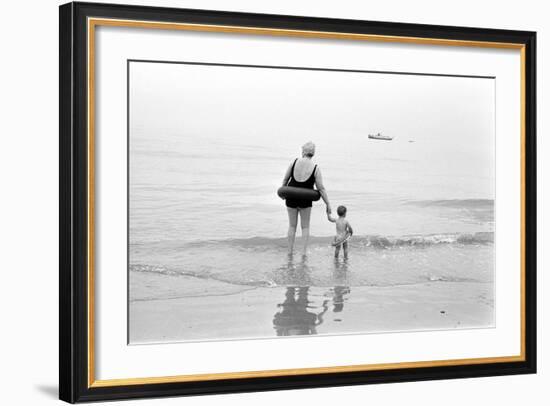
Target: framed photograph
<point x="256" y="202"/>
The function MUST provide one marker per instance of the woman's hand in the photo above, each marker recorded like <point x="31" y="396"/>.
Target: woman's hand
<point x="329" y="210"/>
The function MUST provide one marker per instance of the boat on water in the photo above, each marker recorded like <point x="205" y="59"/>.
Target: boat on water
<point x="380" y="137"/>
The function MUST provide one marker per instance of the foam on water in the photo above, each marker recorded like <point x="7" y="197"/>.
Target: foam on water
<point x="373" y="260"/>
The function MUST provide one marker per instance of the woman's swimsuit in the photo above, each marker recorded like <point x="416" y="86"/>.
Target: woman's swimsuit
<point x="307" y="184"/>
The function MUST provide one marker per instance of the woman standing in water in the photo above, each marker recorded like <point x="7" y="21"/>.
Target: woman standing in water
<point x="305" y="174"/>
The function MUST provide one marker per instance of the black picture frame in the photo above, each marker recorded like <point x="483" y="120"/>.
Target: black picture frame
<point x="74" y="385"/>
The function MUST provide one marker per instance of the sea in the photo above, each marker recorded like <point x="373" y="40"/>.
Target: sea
<point x="205" y="205"/>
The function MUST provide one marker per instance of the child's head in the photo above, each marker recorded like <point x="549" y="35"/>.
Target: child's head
<point x="341" y="210"/>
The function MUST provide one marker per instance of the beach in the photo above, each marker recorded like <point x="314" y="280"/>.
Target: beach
<point x="208" y="255"/>
<point x="193" y="308"/>
<point x="251" y="288"/>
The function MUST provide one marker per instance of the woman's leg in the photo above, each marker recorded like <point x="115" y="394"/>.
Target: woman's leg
<point x="292" y="224"/>
<point x="305" y="215"/>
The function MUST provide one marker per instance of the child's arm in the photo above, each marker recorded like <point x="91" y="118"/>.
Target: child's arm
<point x="331" y="219"/>
<point x="348" y="226"/>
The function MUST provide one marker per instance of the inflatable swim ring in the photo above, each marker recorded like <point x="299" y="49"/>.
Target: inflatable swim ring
<point x="341" y="240"/>
<point x="299" y="193"/>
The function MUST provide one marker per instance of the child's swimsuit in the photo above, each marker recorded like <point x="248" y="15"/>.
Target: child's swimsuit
<point x="307" y="184"/>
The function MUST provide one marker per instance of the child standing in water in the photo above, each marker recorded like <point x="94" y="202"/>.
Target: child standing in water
<point x="343" y="230"/>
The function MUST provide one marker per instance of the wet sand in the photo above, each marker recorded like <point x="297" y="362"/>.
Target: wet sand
<point x="196" y="309"/>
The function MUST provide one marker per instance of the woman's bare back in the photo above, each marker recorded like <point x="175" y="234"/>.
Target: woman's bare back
<point x="303" y="169"/>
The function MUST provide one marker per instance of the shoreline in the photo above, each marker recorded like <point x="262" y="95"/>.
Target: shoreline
<point x="195" y="309"/>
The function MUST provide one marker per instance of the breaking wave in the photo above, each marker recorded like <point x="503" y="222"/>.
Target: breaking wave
<point x="372" y="241"/>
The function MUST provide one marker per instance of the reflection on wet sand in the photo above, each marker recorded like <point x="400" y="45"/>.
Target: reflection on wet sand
<point x="294" y="318"/>
<point x="341" y="289"/>
<point x="338" y="298"/>
<point x="297" y="314"/>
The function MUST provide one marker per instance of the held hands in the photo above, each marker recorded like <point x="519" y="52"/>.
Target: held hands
<point x="329" y="217"/>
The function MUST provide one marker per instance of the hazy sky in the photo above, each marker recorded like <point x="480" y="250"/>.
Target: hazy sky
<point x="294" y="104"/>
<point x="451" y="118"/>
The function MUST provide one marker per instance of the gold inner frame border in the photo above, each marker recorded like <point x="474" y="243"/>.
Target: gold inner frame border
<point x="94" y="22"/>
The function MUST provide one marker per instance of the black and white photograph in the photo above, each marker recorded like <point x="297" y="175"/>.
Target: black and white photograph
<point x="277" y="201"/>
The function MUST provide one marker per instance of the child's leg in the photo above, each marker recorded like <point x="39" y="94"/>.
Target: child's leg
<point x="345" y="250"/>
<point x="337" y="251"/>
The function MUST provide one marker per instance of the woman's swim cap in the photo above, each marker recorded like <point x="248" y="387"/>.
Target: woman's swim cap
<point x="308" y="149"/>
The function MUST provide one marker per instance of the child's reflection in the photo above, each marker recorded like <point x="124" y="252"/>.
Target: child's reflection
<point x="341" y="289"/>
<point x="338" y="293"/>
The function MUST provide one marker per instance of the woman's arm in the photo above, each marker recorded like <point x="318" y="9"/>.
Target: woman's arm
<point x="321" y="188"/>
<point x="287" y="175"/>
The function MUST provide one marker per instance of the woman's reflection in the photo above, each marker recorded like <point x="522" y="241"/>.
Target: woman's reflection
<point x="294" y="318"/>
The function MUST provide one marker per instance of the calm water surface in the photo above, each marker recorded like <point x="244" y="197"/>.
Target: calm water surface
<point x="205" y="207"/>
